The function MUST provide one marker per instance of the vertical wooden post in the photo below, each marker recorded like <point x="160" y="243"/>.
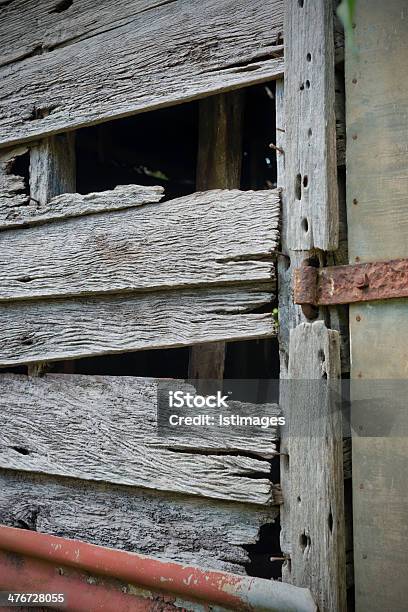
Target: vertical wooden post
<point x="312" y="515"/>
<point x="52" y="167"/>
<point x="218" y="167"/>
<point x="52" y="172"/>
<point x="316" y="502"/>
<point x="311" y="131"/>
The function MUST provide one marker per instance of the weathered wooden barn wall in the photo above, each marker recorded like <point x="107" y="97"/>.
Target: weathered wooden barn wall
<point x="377" y="205"/>
<point x="104" y="428"/>
<point x="205" y="239"/>
<point x="66" y="66"/>
<point x="62" y="69"/>
<point x="189" y="529"/>
<point x="161" y="275"/>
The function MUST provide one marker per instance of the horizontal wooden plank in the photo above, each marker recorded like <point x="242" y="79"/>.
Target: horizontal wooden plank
<point x="208" y="238"/>
<point x="104" y="428"/>
<point x="195" y="530"/>
<point x="94" y="62"/>
<point x="68" y="329"/>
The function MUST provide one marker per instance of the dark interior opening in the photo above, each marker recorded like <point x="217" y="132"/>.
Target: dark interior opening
<point x="156" y="148"/>
<point x="20" y="166"/>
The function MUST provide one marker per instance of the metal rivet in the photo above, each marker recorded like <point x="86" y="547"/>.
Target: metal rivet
<point x="363" y="282"/>
<point x="358" y="318"/>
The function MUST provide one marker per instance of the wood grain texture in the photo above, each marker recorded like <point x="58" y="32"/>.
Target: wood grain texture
<point x="290" y="315"/>
<point x="90" y="64"/>
<point x="377" y="208"/>
<point x="104" y="429"/>
<point x="310" y="152"/>
<point x="187" y="529"/>
<point x="14" y="215"/>
<point x="52" y="171"/>
<point x="52" y="330"/>
<point x="208" y="238"/>
<point x="316" y="492"/>
<point x="219" y="162"/>
<point x="52" y="168"/>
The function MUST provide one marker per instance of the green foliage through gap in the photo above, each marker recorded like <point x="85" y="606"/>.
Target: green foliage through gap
<point x="346" y="11"/>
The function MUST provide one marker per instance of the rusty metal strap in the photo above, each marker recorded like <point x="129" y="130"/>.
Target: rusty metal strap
<point x="366" y="282"/>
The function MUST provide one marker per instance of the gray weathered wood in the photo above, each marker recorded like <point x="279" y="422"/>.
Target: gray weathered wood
<point x="219" y="163"/>
<point x="377" y="209"/>
<point x="314" y="438"/>
<point x="208" y="238"/>
<point x="188" y="529"/>
<point x="104" y="428"/>
<point x="52" y="172"/>
<point x="89" y="64"/>
<point x="52" y="330"/>
<point x="310" y="154"/>
<point x="290" y="315"/>
<point x="52" y="168"/>
<point x="13" y="214"/>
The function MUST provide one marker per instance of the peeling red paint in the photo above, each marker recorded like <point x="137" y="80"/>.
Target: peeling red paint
<point x="95" y="578"/>
<point x="217" y="587"/>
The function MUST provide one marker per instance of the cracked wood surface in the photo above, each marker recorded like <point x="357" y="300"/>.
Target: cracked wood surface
<point x="203" y="239"/>
<point x="57" y="329"/>
<point x="310" y="154"/>
<point x="97" y="61"/>
<point x="104" y="429"/>
<point x="188" y="529"/>
<point x="17" y="210"/>
<point x="52" y="168"/>
<point x="315" y="495"/>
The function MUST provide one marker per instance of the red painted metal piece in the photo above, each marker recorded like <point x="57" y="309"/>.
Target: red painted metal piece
<point x="366" y="282"/>
<point x="28" y="575"/>
<point x="56" y="564"/>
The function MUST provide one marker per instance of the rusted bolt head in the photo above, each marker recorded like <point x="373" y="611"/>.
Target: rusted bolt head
<point x="358" y="318"/>
<point x="362" y="282"/>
